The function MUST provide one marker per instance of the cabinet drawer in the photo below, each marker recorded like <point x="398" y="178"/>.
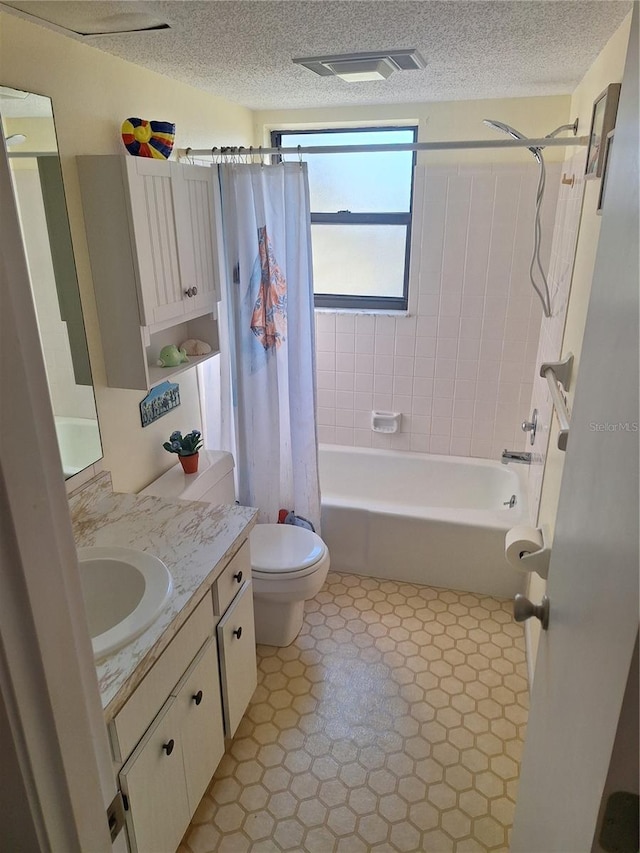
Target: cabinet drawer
<point x="238" y="668"/>
<point x="130" y="723"/>
<point x="230" y="581"/>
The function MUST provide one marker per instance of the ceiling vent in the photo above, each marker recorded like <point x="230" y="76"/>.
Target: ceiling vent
<point x="357" y="67"/>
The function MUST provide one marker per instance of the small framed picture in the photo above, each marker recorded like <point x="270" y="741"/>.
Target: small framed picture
<point x="603" y="120"/>
<point x="603" y="184"/>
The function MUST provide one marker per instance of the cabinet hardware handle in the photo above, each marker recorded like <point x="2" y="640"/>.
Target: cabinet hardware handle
<point x="238" y="577"/>
<point x="188" y="292"/>
<point x="194" y="290"/>
<point x="197" y="697"/>
<point x="238" y="633"/>
<point x="168" y="747"/>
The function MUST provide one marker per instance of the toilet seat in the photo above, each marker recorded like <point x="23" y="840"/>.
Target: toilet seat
<point x="284" y="549"/>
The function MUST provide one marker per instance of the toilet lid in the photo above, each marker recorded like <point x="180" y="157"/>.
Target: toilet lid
<point x="279" y="548"/>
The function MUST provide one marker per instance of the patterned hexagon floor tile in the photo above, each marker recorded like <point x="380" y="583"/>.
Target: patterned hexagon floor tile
<point x="394" y="722"/>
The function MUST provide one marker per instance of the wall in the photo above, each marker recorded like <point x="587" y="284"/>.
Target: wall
<point x="439" y="120"/>
<point x="460" y="367"/>
<point x="92" y="93"/>
<point x="607" y="68"/>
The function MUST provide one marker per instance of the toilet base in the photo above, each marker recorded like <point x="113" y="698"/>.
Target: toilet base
<point x="277" y="623"/>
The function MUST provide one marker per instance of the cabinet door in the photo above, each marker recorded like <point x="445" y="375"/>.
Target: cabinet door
<point x="153" y="781"/>
<point x="153" y="221"/>
<point x="197" y="238"/>
<point x="237" y="642"/>
<point x="202" y="733"/>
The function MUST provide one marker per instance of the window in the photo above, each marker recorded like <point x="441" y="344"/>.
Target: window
<point x="360" y="216"/>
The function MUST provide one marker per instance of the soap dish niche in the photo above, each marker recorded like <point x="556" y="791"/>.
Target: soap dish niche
<point x="387" y="422"/>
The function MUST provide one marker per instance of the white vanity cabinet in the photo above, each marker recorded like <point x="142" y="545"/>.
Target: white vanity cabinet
<point x="233" y="600"/>
<point x="169" y="736"/>
<point x="169" y="771"/>
<point x="153" y="231"/>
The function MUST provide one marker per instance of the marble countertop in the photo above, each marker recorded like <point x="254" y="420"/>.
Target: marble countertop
<point x="194" y="540"/>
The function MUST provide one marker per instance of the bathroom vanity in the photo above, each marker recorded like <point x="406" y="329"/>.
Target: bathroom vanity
<point x="174" y="693"/>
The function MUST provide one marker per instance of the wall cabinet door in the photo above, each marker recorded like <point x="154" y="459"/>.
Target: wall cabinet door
<point x="153" y="782"/>
<point x="155" y="205"/>
<point x="238" y="668"/>
<point x="202" y="733"/>
<point x="196" y="226"/>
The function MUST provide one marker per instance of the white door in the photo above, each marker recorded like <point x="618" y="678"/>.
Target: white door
<point x="53" y="740"/>
<point x="584" y="658"/>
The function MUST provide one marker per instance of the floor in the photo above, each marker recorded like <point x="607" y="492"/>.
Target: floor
<point x="393" y="723"/>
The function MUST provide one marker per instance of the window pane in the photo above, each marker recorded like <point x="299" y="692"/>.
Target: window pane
<point x="359" y="260"/>
<point x="362" y="183"/>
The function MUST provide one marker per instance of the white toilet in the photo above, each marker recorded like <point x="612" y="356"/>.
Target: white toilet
<point x="289" y="564"/>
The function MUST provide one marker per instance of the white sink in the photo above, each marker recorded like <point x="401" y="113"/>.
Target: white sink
<point x="124" y="592"/>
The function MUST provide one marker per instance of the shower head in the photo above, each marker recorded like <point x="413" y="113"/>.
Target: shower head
<point x="512" y="132"/>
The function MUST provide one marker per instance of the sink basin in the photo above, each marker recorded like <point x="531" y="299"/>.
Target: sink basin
<point x="124" y="592"/>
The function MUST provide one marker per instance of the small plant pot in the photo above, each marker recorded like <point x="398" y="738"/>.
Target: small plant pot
<point x="189" y="463"/>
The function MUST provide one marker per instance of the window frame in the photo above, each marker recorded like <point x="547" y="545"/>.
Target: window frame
<point x="350" y="301"/>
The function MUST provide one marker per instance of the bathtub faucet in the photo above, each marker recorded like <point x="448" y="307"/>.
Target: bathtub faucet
<point x="523" y="457"/>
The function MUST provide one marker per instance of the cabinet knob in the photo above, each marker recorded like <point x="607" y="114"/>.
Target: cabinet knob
<point x="197" y="697"/>
<point x="238" y="577"/>
<point x="194" y="290"/>
<point x="168" y="747"/>
<point x="237" y="633"/>
<point x="190" y="291"/>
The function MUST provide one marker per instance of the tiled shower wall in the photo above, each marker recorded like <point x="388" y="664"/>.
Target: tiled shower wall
<point x="460" y="367"/>
<point x="563" y="252"/>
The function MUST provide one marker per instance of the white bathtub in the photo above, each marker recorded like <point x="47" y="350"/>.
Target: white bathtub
<point x="79" y="443"/>
<point x="420" y="518"/>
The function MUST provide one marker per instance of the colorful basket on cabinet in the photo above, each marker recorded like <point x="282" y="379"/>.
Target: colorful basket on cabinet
<point x="144" y="138"/>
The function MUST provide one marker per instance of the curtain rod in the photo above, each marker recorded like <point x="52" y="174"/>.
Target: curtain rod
<point x="544" y="142"/>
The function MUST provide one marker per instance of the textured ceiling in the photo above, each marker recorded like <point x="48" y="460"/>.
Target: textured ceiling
<point x="242" y="50"/>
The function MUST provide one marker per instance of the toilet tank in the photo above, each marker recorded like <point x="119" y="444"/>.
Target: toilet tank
<point x="212" y="483"/>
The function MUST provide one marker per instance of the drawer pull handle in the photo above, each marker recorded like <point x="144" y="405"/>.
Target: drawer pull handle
<point x="168" y="747"/>
<point x="238" y="577"/>
<point x="197" y="697"/>
<point x="237" y="633"/>
<point x="189" y="292"/>
<point x="194" y="290"/>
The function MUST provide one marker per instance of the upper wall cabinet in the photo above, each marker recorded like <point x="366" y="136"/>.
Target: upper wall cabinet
<point x="153" y="235"/>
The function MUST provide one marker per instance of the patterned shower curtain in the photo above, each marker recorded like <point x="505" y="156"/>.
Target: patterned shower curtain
<point x="267" y="341"/>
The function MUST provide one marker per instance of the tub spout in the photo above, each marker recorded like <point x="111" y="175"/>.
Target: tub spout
<point x="524" y="457"/>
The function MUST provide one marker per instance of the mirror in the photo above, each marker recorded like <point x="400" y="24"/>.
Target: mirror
<point x="29" y="130"/>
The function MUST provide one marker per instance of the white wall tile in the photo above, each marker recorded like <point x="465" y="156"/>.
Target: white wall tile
<point x="467" y="358"/>
<point x="345" y="343"/>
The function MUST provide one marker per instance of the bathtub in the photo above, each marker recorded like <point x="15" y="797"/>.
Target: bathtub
<point x="420" y="518"/>
<point x="79" y="443"/>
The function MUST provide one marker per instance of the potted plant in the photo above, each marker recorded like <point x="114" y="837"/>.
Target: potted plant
<point x="186" y="447"/>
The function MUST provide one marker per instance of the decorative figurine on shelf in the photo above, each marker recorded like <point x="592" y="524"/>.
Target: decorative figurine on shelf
<point x="171" y="356"/>
<point x="186" y="447"/>
<point x="193" y="346"/>
<point x="144" y="138"/>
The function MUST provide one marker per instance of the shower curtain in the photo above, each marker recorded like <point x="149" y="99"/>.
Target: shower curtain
<point x="267" y="338"/>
